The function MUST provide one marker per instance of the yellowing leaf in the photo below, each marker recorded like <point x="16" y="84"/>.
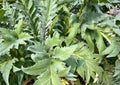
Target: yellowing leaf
<point x="64" y="82"/>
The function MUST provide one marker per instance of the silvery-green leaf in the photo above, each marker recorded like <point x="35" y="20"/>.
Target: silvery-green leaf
<point x="64" y="53"/>
<point x="5" y="70"/>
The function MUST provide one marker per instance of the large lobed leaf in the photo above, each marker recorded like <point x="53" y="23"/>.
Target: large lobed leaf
<point x="13" y="38"/>
<point x="47" y="10"/>
<point x="48" y="72"/>
<point x="38" y="68"/>
<point x="49" y="77"/>
<point x="88" y="64"/>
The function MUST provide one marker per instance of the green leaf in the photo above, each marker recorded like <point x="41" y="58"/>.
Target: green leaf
<point x="5" y="70"/>
<point x="113" y="50"/>
<point x="65" y="1"/>
<point x="39" y="56"/>
<point x="37" y="48"/>
<point x="47" y="74"/>
<point x="71" y="77"/>
<point x="117" y="17"/>
<point x="72" y="62"/>
<point x="88" y="68"/>
<point x="53" y="41"/>
<point x="89" y="41"/>
<point x="73" y="30"/>
<point x="60" y="68"/>
<point x="100" y="42"/>
<point x="64" y="53"/>
<point x="107" y="78"/>
<point x="7" y="1"/>
<point x="117" y="68"/>
<point x="114" y="1"/>
<point x="47" y="11"/>
<point x="3" y="18"/>
<point x="2" y="12"/>
<point x="38" y="68"/>
<point x="81" y="71"/>
<point x="12" y="40"/>
<point x="49" y="77"/>
<point x="88" y="64"/>
<point x="15" y="69"/>
<point x="19" y="28"/>
<point x="64" y="72"/>
<point x="117" y="31"/>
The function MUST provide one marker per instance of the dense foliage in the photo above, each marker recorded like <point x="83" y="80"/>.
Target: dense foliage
<point x="59" y="42"/>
